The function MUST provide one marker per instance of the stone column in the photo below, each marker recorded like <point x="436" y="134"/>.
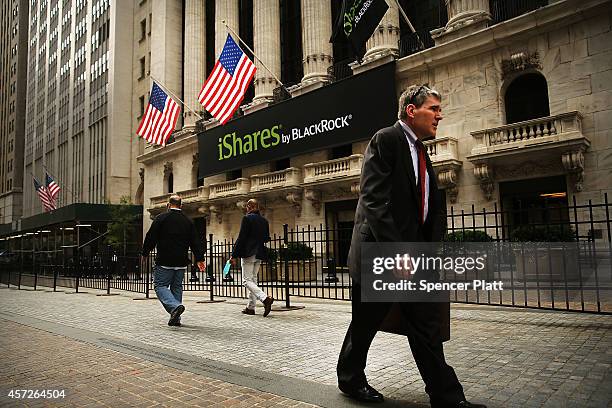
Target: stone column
<point x="266" y="40"/>
<point x="195" y="57"/>
<point x="316" y="48"/>
<point x="166" y="43"/>
<point x="226" y="10"/>
<point x="384" y="40"/>
<point x="464" y="17"/>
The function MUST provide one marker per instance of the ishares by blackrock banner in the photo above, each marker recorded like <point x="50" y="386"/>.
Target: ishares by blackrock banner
<point x="341" y="113"/>
<point x="427" y="272"/>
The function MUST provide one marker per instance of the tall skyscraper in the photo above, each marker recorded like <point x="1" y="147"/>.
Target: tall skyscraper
<point x="79" y="109"/>
<point x="13" y="69"/>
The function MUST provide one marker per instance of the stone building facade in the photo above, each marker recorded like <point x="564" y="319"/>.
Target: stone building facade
<point x="13" y="53"/>
<point x="527" y="105"/>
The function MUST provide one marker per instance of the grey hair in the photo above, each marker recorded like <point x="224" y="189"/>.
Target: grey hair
<point x="416" y="95"/>
<point x="253" y="203"/>
<point x="175" y="200"/>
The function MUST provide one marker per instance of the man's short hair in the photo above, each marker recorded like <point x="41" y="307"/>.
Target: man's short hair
<point x="175" y="200"/>
<point x="416" y="95"/>
<point x="253" y="203"/>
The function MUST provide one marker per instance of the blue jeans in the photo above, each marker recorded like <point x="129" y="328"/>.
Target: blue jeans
<point x="168" y="285"/>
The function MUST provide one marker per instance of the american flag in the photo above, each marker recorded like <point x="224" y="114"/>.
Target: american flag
<point x="160" y="117"/>
<point x="225" y="87"/>
<point x="47" y="201"/>
<point x="52" y="187"/>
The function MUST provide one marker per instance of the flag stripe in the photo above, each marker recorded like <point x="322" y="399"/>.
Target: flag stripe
<point x="247" y="72"/>
<point x="160" y="117"/>
<point x="235" y="86"/>
<point x="226" y="85"/>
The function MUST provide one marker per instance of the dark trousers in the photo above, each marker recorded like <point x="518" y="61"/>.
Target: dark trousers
<point x="441" y="383"/>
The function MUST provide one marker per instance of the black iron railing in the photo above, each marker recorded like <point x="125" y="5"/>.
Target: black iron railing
<point x="414" y="42"/>
<point x="312" y="261"/>
<point x="502" y="10"/>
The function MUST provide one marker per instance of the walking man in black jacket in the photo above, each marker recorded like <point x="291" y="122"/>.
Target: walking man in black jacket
<point x="173" y="233"/>
<point x="254" y="233"/>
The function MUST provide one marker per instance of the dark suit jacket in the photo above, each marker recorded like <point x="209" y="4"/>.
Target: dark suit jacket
<point x="173" y="233"/>
<point x="387" y="210"/>
<point x="254" y="233"/>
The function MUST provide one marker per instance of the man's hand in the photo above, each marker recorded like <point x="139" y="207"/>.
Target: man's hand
<point x="201" y="265"/>
<point x="232" y="261"/>
<point x="406" y="272"/>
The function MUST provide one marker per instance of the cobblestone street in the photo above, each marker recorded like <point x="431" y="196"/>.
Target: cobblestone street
<point x="118" y="351"/>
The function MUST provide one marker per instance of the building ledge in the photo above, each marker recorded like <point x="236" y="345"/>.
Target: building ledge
<point x="443" y="152"/>
<point x="153" y="153"/>
<point x="330" y="170"/>
<point x="499" y="35"/>
<point x="536" y="140"/>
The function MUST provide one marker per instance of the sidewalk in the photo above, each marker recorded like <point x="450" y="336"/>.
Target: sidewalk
<point x="504" y="357"/>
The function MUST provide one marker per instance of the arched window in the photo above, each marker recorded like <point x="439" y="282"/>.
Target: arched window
<point x="527" y="98"/>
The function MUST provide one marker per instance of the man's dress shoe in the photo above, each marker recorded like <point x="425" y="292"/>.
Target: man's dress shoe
<point x="365" y="393"/>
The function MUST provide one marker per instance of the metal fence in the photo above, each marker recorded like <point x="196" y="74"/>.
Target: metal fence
<point x="312" y="262"/>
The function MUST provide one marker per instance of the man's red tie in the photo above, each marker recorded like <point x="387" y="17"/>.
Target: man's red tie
<point x="422" y="176"/>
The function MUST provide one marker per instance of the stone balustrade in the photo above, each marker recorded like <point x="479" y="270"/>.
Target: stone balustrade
<point x="160" y="201"/>
<point x="290" y="177"/>
<point x="528" y="133"/>
<point x="195" y="194"/>
<point x="333" y="169"/>
<point x="230" y="188"/>
<point x="442" y="150"/>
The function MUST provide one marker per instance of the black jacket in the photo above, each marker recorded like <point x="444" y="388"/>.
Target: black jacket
<point x="173" y="233"/>
<point x="254" y="232"/>
<point x="387" y="209"/>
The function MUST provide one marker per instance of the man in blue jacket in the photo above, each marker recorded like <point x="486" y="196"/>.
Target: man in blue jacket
<point x="254" y="233"/>
<point x="173" y="233"/>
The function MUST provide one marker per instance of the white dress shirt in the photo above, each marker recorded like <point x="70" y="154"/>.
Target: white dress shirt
<point x="411" y="137"/>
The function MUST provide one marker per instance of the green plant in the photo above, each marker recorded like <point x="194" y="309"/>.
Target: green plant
<point x="295" y="251"/>
<point x="271" y="255"/>
<point x="468" y="236"/>
<point x="120" y="230"/>
<point x="543" y="233"/>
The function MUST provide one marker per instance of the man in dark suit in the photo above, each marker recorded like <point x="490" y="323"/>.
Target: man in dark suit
<point x="254" y="233"/>
<point x="399" y="202"/>
<point x="173" y="233"/>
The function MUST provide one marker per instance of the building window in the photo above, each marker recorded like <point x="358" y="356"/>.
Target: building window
<point x="141" y="100"/>
<point x="210" y="36"/>
<point x="143" y="67"/>
<point x="540" y="201"/>
<point x="425" y="15"/>
<point x="281" y="164"/>
<point x="143" y="29"/>
<point x="234" y="174"/>
<point x="245" y="11"/>
<point x="341" y="151"/>
<point x="292" y="70"/>
<point x="170" y="183"/>
<point x="527" y="98"/>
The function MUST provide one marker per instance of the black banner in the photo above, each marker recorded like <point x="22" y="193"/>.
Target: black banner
<point x="341" y="113"/>
<point x="357" y="21"/>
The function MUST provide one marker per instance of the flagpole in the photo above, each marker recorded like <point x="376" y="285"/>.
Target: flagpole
<point x="55" y="179"/>
<point x="255" y="56"/>
<point x="409" y="23"/>
<point x="171" y="93"/>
